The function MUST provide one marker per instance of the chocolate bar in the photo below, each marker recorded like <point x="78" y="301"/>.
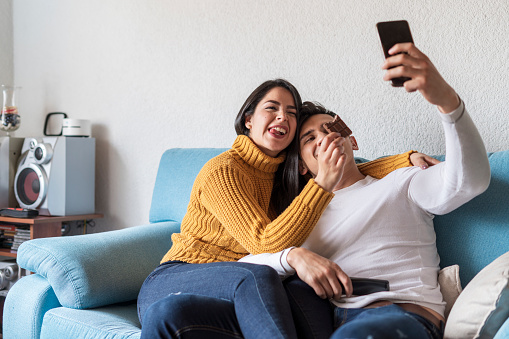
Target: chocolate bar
<point x="337" y="125"/>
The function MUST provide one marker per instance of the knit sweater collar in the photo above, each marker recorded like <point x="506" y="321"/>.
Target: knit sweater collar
<point x="254" y="157"/>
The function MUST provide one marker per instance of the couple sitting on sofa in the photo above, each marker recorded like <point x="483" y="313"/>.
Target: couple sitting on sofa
<point x="244" y="202"/>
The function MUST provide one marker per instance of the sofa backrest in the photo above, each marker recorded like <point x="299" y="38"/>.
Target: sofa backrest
<point x="471" y="236"/>
<point x="175" y="177"/>
<point x="477" y="233"/>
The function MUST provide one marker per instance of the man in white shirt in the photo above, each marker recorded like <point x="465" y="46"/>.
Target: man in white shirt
<point x="383" y="229"/>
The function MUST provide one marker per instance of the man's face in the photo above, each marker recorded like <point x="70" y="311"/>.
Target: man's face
<point x="311" y="135"/>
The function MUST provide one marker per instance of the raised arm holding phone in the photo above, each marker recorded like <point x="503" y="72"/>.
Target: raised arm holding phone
<point x="383" y="229"/>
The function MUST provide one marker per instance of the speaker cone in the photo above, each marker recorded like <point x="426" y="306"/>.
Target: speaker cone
<point x="30" y="186"/>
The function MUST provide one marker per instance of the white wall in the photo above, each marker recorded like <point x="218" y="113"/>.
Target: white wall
<point x="157" y="74"/>
<point x="6" y="44"/>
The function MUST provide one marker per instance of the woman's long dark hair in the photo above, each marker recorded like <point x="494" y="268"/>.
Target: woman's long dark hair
<point x="288" y="182"/>
<point x="287" y="173"/>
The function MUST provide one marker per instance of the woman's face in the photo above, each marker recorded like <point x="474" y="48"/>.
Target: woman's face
<point x="273" y="124"/>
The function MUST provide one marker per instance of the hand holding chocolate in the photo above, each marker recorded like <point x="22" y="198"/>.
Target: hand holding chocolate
<point x="337" y="125"/>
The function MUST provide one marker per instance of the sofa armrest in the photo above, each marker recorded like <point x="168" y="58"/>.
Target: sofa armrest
<point x="98" y="269"/>
<point x="26" y="303"/>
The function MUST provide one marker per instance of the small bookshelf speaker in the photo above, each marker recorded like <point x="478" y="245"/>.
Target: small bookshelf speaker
<point x="56" y="175"/>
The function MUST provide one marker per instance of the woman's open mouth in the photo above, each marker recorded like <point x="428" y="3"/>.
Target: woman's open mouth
<point x="278" y="131"/>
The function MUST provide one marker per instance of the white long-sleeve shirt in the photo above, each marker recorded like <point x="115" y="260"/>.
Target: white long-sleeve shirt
<point x="383" y="229"/>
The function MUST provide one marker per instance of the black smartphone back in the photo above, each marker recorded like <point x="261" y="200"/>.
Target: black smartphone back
<point x="391" y="33"/>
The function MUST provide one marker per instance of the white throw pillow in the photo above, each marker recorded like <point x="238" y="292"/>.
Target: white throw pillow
<point x="450" y="286"/>
<point x="483" y="306"/>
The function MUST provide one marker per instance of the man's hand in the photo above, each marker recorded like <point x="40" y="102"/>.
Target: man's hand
<point x="408" y="61"/>
<point x="323" y="275"/>
<point x="422" y="160"/>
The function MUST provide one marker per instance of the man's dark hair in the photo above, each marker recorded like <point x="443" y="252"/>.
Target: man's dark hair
<point x="309" y="109"/>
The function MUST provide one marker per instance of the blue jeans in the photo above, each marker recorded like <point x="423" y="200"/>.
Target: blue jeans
<point x="215" y="300"/>
<point x="317" y="318"/>
<point x="386" y="322"/>
<point x="313" y="316"/>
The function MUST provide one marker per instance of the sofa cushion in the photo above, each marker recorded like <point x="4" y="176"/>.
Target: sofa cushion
<point x="450" y="286"/>
<point x="111" y="322"/>
<point x="483" y="306"/>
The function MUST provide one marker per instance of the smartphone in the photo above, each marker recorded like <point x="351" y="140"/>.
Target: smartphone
<point x="391" y="33"/>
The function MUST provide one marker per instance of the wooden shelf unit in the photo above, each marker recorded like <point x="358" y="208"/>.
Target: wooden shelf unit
<point x="43" y="226"/>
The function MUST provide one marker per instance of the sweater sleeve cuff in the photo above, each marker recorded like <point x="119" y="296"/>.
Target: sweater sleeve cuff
<point x="313" y="194"/>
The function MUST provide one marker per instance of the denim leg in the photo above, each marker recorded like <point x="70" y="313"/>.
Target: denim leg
<point x="259" y="300"/>
<point x="313" y="316"/>
<point x="387" y="322"/>
<point x="193" y="316"/>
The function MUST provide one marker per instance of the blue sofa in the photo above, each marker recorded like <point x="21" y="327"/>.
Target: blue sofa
<point x="86" y="286"/>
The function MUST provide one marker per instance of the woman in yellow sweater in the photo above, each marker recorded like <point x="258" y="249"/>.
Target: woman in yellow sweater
<point x="199" y="290"/>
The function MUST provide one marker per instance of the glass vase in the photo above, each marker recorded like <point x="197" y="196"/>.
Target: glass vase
<point x="10" y="119"/>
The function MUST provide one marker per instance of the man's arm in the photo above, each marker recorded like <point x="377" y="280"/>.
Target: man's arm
<point x="323" y="275"/>
<point x="465" y="172"/>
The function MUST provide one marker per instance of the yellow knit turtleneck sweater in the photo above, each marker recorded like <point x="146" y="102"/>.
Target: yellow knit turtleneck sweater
<point x="228" y="215"/>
